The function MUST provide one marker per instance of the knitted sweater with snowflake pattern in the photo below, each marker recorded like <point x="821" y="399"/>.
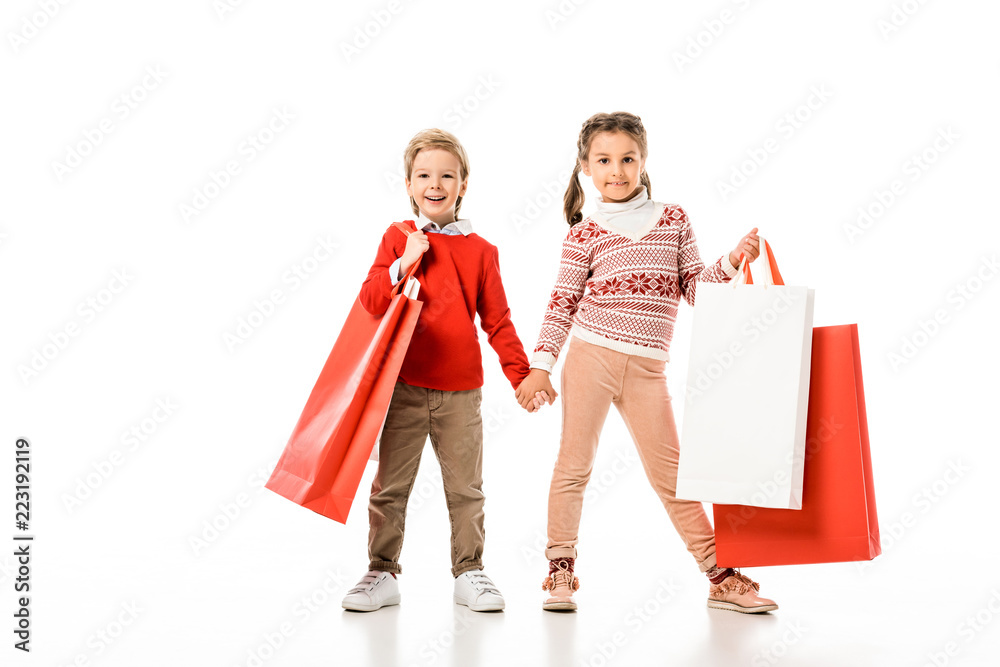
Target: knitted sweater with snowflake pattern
<point x="622" y="291"/>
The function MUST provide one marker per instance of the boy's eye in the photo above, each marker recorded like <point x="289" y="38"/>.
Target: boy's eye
<point x="448" y="176"/>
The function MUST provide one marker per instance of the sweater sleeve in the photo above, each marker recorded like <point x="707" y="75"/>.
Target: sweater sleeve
<point x="494" y="318"/>
<point x="690" y="269"/>
<point x="574" y="270"/>
<point x="376" y="290"/>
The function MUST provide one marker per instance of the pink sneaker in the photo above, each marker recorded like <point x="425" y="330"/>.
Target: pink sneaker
<point x="738" y="592"/>
<point x="562" y="583"/>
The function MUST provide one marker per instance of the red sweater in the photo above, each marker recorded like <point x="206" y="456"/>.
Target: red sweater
<point x="459" y="277"/>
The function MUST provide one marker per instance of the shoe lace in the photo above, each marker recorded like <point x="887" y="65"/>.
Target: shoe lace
<point x="739" y="583"/>
<point x="561" y="576"/>
<point x="366" y="583"/>
<point x="747" y="581"/>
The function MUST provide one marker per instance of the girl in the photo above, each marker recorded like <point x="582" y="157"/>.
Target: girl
<point x="623" y="272"/>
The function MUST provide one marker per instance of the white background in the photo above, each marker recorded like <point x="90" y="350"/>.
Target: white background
<point x="514" y="81"/>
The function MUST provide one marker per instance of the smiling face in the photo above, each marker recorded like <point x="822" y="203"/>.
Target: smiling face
<point x="615" y="164"/>
<point x="436" y="183"/>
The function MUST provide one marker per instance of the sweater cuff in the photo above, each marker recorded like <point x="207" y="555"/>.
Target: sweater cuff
<point x="543" y="360"/>
<point x="728" y="267"/>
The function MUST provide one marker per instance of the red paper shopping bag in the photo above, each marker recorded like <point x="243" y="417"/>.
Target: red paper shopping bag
<point x="838" y="521"/>
<point x="325" y="457"/>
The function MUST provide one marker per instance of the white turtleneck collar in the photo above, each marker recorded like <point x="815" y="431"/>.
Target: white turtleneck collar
<point x="631" y="218"/>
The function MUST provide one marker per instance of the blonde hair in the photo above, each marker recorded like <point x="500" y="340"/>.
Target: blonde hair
<point x="434" y="138"/>
<point x="619" y="121"/>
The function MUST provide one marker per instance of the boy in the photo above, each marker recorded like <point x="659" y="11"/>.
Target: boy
<point x="439" y="389"/>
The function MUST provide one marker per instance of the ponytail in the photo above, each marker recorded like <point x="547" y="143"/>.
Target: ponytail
<point x="573" y="199"/>
<point x="644" y="179"/>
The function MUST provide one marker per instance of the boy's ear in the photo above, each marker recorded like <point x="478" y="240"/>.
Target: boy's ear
<point x="465" y="186"/>
<point x="407" y="187"/>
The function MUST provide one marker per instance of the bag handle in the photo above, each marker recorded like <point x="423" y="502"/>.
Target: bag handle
<point x="772" y="276"/>
<point x="409" y="274"/>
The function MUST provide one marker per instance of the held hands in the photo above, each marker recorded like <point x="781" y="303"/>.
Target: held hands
<point x="540" y="399"/>
<point x="416" y="245"/>
<point x="535" y="390"/>
<point x="749" y="245"/>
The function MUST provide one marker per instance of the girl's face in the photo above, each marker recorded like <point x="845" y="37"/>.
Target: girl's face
<point x="615" y="164"/>
<point x="435" y="184"/>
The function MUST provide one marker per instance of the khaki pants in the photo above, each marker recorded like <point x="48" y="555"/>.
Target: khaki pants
<point x="593" y="378"/>
<point x="454" y="423"/>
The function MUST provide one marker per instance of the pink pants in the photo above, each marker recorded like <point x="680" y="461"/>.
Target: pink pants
<point x="593" y="378"/>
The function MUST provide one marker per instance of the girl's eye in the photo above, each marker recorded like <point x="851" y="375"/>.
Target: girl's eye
<point x="603" y="160"/>
<point x="421" y="175"/>
<point x="628" y="159"/>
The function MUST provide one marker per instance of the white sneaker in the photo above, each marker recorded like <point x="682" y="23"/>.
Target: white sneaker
<point x="375" y="590"/>
<point x="475" y="590"/>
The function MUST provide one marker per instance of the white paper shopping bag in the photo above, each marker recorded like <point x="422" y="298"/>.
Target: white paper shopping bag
<point x="746" y="399"/>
